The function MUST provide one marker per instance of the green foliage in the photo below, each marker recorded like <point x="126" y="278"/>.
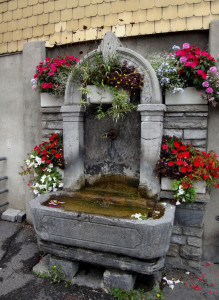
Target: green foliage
<point x="112" y="76"/>
<point x="185" y="195"/>
<point x="136" y="294"/>
<point x="56" y="274"/>
<point x="41" y="275"/>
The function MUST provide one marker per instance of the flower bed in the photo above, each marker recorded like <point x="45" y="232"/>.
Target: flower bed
<point x="189" y="66"/>
<point x="185" y="164"/>
<point x="43" y="166"/>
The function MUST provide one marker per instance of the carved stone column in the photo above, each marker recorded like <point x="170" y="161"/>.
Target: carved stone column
<point x="151" y="138"/>
<point x="73" y="140"/>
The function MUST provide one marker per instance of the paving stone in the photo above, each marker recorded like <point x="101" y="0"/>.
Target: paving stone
<point x="118" y="279"/>
<point x="21" y="216"/>
<point x="69" y="268"/>
<point x="10" y="215"/>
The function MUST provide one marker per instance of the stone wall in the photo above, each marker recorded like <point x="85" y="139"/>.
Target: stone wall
<point x="51" y="121"/>
<point x="188" y="122"/>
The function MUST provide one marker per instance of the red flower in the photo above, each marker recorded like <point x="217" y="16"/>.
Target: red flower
<point x="183" y="148"/>
<point x="43" y="158"/>
<point x="164" y="146"/>
<point x="179" y="162"/>
<point x="44" y="152"/>
<point x="183" y="170"/>
<point x="170" y="163"/>
<point x="186" y="154"/>
<point x="197" y="163"/>
<point x="51" y="146"/>
<point x="180" y="155"/>
<point x="48" y="161"/>
<point x="176" y="145"/>
<point x="57" y="155"/>
<point x="174" y="151"/>
<point x="38" y="150"/>
<point x="52" y="137"/>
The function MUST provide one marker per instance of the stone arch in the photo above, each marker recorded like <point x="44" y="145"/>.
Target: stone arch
<point x="151" y="92"/>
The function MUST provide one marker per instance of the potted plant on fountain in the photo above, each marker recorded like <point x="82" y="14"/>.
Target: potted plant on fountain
<point x="184" y="72"/>
<point x="186" y="166"/>
<point x="44" y="165"/>
<point x="107" y="82"/>
<point x="51" y="77"/>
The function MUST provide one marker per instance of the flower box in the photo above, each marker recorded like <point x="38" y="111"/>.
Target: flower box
<point x="49" y="100"/>
<point x="166" y="185"/>
<point x="189" y="96"/>
<point x="97" y="95"/>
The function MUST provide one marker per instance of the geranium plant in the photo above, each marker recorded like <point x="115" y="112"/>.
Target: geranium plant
<point x="121" y="79"/>
<point x="189" y="66"/>
<point x="52" y="74"/>
<point x="43" y="164"/>
<point x="185" y="164"/>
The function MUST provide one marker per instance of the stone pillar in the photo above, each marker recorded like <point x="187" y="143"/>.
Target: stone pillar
<point x="33" y="53"/>
<point x="211" y="233"/>
<point x="73" y="140"/>
<point x="151" y="139"/>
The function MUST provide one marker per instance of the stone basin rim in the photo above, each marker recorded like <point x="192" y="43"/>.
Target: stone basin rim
<point x="37" y="203"/>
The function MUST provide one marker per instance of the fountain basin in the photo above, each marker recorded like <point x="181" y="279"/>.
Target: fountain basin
<point x="139" y="239"/>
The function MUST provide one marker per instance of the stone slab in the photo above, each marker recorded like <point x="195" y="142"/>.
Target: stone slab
<point x="195" y="134"/>
<point x="189" y="217"/>
<point x="10" y="215"/>
<point x="21" y="216"/>
<point x="118" y="279"/>
<point x="187" y="108"/>
<point x="185" y="122"/>
<point x="142" y="239"/>
<point x="69" y="268"/>
<point x="43" y="265"/>
<point x="189" y="96"/>
<point x="105" y="259"/>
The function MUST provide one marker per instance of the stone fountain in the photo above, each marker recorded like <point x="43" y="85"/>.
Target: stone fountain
<point x="129" y="155"/>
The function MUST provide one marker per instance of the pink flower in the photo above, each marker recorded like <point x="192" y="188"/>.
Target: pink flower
<point x="186" y="45"/>
<point x="205" y="84"/>
<point x="44" y="85"/>
<point x="34" y="87"/>
<point x="209" y="90"/>
<point x="183" y="59"/>
<point x="211" y="99"/>
<point x="190" y="64"/>
<point x="213" y="70"/>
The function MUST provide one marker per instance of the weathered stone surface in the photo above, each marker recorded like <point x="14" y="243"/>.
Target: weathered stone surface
<point x="54" y="125"/>
<point x="103" y="258"/>
<point x="190" y="252"/>
<point x="69" y="268"/>
<point x="189" y="96"/>
<point x="143" y="239"/>
<point x="173" y="132"/>
<point x="173" y="250"/>
<point x="92" y="278"/>
<point x="168" y="114"/>
<point x="118" y="279"/>
<point x="50" y="110"/>
<point x="177" y="230"/>
<point x="197" y="114"/>
<point x="181" y="263"/>
<point x="195" y="134"/>
<point x="10" y="215"/>
<point x="194" y="241"/>
<point x="189" y="217"/>
<point x="21" y="216"/>
<point x="43" y="266"/>
<point x="178" y="239"/>
<point x="199" y="143"/>
<point x="198" y="232"/>
<point x="187" y="108"/>
<point x="51" y="117"/>
<point x="185" y="122"/>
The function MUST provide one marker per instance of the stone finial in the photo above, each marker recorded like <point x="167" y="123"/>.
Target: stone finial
<point x="109" y="45"/>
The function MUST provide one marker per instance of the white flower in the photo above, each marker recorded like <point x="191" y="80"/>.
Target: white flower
<point x="33" y="81"/>
<point x="136" y="216"/>
<point x="35" y="192"/>
<point x="177" y="202"/>
<point x="60" y="184"/>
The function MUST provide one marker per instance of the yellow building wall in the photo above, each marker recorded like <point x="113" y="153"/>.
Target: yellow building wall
<point x="69" y="21"/>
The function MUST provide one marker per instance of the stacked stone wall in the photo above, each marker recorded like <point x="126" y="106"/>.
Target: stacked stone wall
<point x="188" y="122"/>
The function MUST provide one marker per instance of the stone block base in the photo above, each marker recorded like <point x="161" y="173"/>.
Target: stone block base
<point x="118" y="279"/>
<point x="69" y="268"/>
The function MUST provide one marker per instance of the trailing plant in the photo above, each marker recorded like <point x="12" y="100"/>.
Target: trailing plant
<point x="136" y="294"/>
<point x="52" y="74"/>
<point x="186" y="164"/>
<point x="112" y="76"/>
<point x="189" y="66"/>
<point x="56" y="274"/>
<point x="43" y="164"/>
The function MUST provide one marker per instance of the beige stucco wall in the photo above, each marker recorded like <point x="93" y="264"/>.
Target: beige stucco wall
<point x="72" y="21"/>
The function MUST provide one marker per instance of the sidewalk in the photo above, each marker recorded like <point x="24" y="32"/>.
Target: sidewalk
<point x="19" y="254"/>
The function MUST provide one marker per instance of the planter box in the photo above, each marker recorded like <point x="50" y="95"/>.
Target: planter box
<point x="49" y="100"/>
<point x="189" y="96"/>
<point x="133" y="239"/>
<point x="98" y="95"/>
<point x="166" y="185"/>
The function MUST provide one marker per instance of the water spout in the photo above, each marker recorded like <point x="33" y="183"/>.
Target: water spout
<point x="112" y="134"/>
